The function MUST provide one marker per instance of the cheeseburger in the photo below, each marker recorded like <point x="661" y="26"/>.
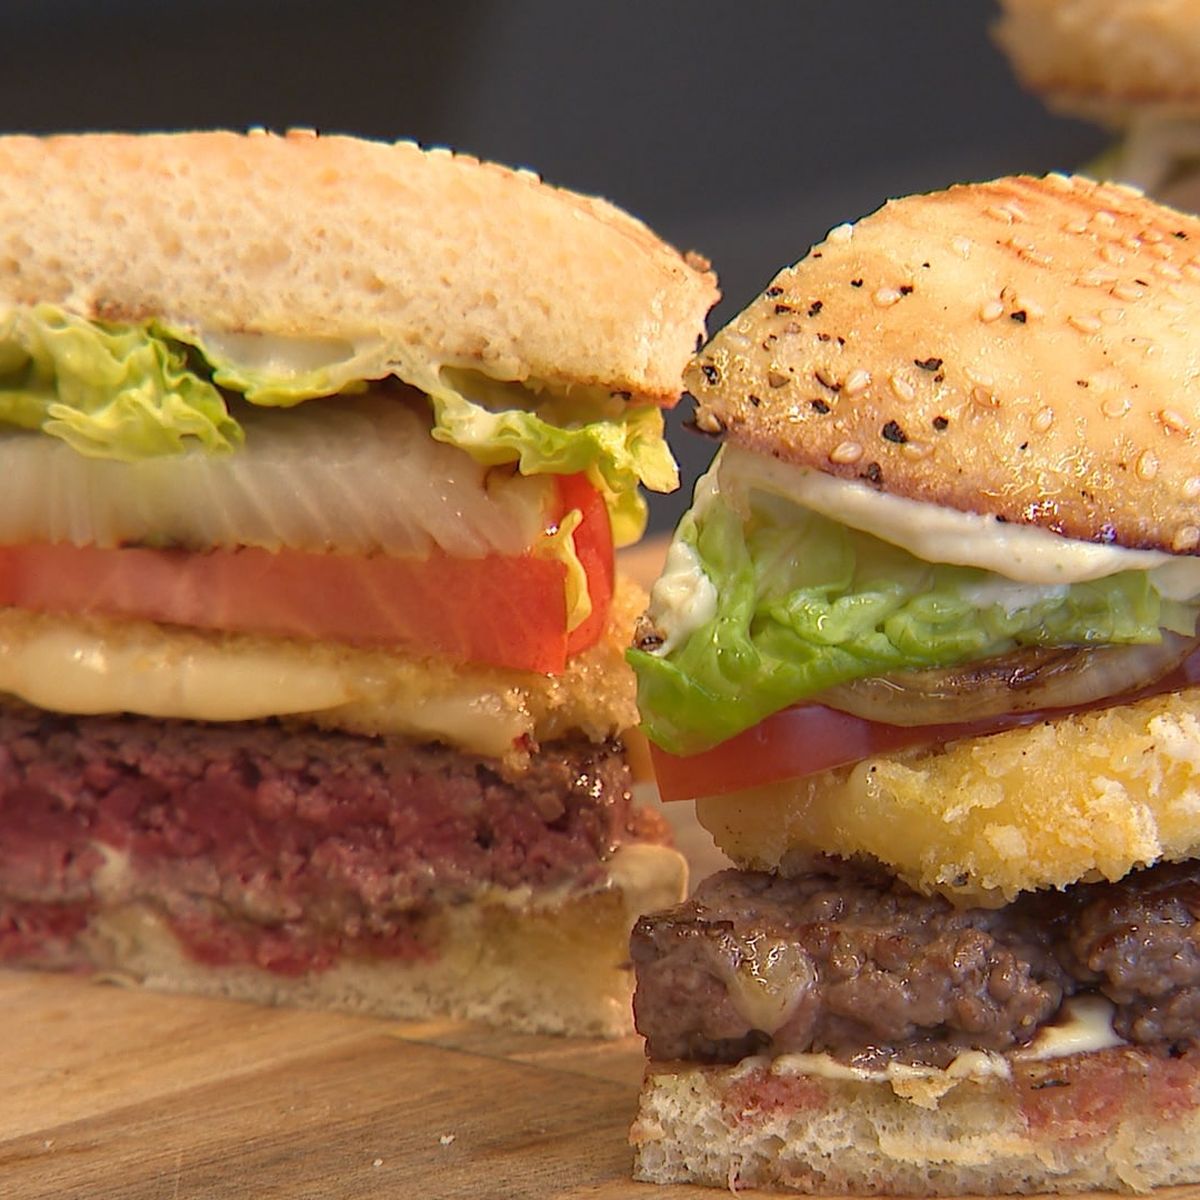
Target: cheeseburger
<point x="314" y="455"/>
<point x="925" y="651"/>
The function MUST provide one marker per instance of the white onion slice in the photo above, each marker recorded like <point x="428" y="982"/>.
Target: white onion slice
<point x="1024" y="681"/>
<point x="355" y="475"/>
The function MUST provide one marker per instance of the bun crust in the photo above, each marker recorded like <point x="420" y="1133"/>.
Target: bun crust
<point x="1108" y="59"/>
<point x="1024" y="348"/>
<point x="341" y="238"/>
<point x="1115" y="789"/>
<point x="1121" y="1120"/>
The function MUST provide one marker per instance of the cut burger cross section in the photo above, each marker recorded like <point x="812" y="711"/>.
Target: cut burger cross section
<point x="311" y="676"/>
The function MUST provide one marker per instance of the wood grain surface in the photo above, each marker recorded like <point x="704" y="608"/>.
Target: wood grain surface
<point x="110" y="1092"/>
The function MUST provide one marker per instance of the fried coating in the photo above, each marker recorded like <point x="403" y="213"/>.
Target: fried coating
<point x="1084" y="797"/>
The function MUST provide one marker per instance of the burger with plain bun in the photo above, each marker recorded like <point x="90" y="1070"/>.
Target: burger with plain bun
<point x="314" y="454"/>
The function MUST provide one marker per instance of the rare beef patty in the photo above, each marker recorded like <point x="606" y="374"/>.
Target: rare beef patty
<point x="260" y="843"/>
<point x="848" y="961"/>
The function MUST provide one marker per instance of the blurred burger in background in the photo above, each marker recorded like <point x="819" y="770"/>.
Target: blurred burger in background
<point x="1133" y="65"/>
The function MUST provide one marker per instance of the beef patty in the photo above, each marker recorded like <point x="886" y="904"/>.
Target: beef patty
<point x="305" y="835"/>
<point x="849" y="961"/>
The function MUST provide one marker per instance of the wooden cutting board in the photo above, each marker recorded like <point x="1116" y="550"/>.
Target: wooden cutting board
<point x="115" y="1093"/>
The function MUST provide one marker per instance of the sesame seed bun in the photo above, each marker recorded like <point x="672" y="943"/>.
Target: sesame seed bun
<point x="1106" y="59"/>
<point x="1023" y="348"/>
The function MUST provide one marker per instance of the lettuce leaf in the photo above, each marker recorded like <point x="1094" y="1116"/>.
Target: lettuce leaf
<point x="804" y="603"/>
<point x="108" y="391"/>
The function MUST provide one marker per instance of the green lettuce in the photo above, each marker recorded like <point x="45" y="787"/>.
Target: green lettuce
<point x="109" y="391"/>
<point x="804" y="603"/>
<point x="138" y="391"/>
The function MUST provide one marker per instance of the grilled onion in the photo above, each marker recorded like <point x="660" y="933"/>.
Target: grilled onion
<point x="1024" y="681"/>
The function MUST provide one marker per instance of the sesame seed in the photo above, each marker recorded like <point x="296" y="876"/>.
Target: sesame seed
<point x="840" y="234"/>
<point x="1032" y="307"/>
<point x="1168" y="271"/>
<point x="1115" y="406"/>
<point x="1042" y="420"/>
<point x="1075" y="227"/>
<point x="962" y="247"/>
<point x="1111" y="254"/>
<point x="985" y="397"/>
<point x="1000" y="213"/>
<point x="776" y="379"/>
<point x="1110" y="316"/>
<point x="885" y="297"/>
<point x="1034" y="255"/>
<point x="708" y="422"/>
<point x="857" y="381"/>
<point x="915" y="450"/>
<point x="1147" y="465"/>
<point x="1187" y="537"/>
<point x="1131" y="243"/>
<point x="902" y="388"/>
<point x="1060" y="182"/>
<point x="1085" y="324"/>
<point x="1151" y="235"/>
<point x="1096" y="279"/>
<point x="1191" y="487"/>
<point x="993" y="310"/>
<point x="1103" y="217"/>
<point x="1173" y="310"/>
<point x="1162" y="251"/>
<point x="1128" y="291"/>
<point x="1173" y="420"/>
<point x="846" y="452"/>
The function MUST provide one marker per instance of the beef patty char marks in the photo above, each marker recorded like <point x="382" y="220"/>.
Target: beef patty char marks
<point x="849" y="961"/>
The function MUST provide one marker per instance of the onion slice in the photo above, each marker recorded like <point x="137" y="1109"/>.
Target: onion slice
<point x="1026" y="680"/>
<point x="352" y="474"/>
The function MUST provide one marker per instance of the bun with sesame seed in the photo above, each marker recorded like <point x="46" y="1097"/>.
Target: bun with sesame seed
<point x="925" y="653"/>
<point x="1023" y="348"/>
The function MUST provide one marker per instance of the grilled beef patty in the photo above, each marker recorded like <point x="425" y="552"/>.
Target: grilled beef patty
<point x="847" y="960"/>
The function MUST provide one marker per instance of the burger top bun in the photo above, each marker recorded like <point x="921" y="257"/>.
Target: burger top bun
<point x="1107" y="59"/>
<point x="1026" y="348"/>
<point x="339" y="238"/>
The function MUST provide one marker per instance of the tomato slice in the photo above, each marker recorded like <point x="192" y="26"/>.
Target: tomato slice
<point x="504" y="611"/>
<point x="809" y="738"/>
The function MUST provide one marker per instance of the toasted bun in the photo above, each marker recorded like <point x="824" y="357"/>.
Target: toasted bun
<point x="1121" y="1119"/>
<point x="1087" y="796"/>
<point x="1109" y="59"/>
<point x="560" y="968"/>
<point x="1023" y="348"/>
<point x="335" y="237"/>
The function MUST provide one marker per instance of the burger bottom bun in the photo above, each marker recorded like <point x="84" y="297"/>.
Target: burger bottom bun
<point x="1121" y="1119"/>
<point x="1084" y="797"/>
<point x="561" y="969"/>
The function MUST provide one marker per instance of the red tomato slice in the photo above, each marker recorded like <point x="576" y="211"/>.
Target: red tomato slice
<point x="809" y="738"/>
<point x="505" y="611"/>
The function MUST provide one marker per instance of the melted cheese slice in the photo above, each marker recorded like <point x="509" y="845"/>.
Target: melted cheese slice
<point x="92" y="665"/>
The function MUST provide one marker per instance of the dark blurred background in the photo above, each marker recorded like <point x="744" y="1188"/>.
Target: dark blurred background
<point x="741" y="129"/>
